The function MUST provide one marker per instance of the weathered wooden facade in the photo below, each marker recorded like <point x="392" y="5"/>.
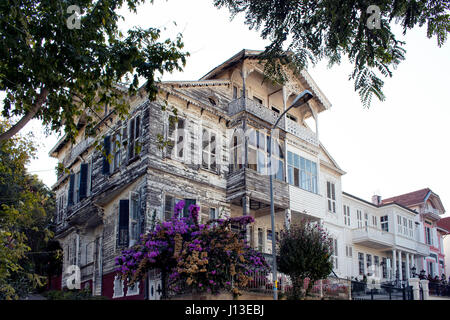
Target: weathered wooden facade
<point x="218" y="160"/>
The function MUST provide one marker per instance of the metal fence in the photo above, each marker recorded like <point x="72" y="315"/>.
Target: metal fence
<point x="438" y="289"/>
<point x="364" y="291"/>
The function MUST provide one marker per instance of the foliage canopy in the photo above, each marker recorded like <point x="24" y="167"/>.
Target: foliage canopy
<point x="315" y="29"/>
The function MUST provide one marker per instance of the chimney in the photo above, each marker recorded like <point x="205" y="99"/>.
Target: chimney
<point x="376" y="199"/>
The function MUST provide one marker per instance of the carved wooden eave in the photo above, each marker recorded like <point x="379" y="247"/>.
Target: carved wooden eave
<point x="184" y="95"/>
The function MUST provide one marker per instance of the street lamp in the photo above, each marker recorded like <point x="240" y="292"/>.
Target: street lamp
<point x="413" y="269"/>
<point x="301" y="99"/>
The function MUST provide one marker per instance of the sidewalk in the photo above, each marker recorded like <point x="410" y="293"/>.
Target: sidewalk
<point x="439" y="298"/>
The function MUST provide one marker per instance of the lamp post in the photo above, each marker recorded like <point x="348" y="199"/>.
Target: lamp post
<point x="413" y="269"/>
<point x="301" y="99"/>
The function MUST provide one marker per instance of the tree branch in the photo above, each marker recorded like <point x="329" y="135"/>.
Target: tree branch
<point x="26" y="118"/>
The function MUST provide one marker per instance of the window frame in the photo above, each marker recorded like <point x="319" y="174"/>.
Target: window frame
<point x="331" y="197"/>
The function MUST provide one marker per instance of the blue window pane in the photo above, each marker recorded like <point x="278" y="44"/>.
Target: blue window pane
<point x="290" y="158"/>
<point x="296" y="161"/>
<point x="303" y="180"/>
<point x="314" y="169"/>
<point x="302" y="164"/>
<point x="308" y="165"/>
<point x="261" y="162"/>
<point x="290" y="175"/>
<point x="279" y="174"/>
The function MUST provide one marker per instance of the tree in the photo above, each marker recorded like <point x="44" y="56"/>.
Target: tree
<point x="56" y="64"/>
<point x="26" y="255"/>
<point x="304" y="252"/>
<point x="202" y="257"/>
<point x="315" y="29"/>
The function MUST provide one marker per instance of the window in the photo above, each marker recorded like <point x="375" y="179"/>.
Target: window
<point x="116" y="152"/>
<point x="429" y="239"/>
<point x="384" y="223"/>
<point x="118" y="287"/>
<point x="405" y="226"/>
<point x="331" y="197"/>
<point x="369" y="263"/>
<point x="376" y="261"/>
<point x="269" y="235"/>
<point x="213" y="214"/>
<point x="366" y="219"/>
<point x="260" y="240"/>
<point x="384" y="265"/>
<point x="399" y="224"/>
<point x="176" y="137"/>
<point x="236" y="153"/>
<point x="291" y="117"/>
<point x="411" y="230"/>
<point x="258" y="160"/>
<point x="275" y="109"/>
<point x="256" y="99"/>
<point x="133" y="290"/>
<point x="134" y="218"/>
<point x="169" y="205"/>
<point x="235" y="91"/>
<point x="78" y="185"/>
<point x="209" y="150"/>
<point x="374" y="221"/>
<point x="212" y="101"/>
<point x="106" y="155"/>
<point x="430" y="268"/>
<point x="134" y="134"/>
<point x="128" y="230"/>
<point x="334" y="255"/>
<point x="349" y="251"/>
<point x="302" y="172"/>
<point x="361" y="263"/>
<point x="359" y="218"/>
<point x="346" y="215"/>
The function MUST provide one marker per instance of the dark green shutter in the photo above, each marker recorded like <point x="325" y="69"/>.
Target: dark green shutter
<point x="131" y="141"/>
<point x="124" y="215"/>
<point x="71" y="188"/>
<point x="107" y="150"/>
<point x="83" y="180"/>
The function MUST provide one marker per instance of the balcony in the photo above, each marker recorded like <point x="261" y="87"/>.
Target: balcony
<point x="373" y="238"/>
<point x="301" y="132"/>
<point x="431" y="213"/>
<point x="248" y="181"/>
<point x="264" y="113"/>
<point x="254" y="108"/>
<point x="76" y="151"/>
<point x="422" y="249"/>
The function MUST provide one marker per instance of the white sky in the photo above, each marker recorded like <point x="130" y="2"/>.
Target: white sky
<point x="397" y="146"/>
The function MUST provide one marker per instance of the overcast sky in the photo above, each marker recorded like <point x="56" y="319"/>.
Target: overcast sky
<point x="396" y="146"/>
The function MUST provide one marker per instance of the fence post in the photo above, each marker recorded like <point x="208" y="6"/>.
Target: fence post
<point x="321" y="288"/>
<point x="371" y="294"/>
<point x="425" y="289"/>
<point x="414" y="283"/>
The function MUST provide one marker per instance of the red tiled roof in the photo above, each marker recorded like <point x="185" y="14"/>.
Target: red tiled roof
<point x="408" y="199"/>
<point x="444" y="223"/>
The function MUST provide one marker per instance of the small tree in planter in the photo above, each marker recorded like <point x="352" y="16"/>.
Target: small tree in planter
<point x="202" y="257"/>
<point x="304" y="252"/>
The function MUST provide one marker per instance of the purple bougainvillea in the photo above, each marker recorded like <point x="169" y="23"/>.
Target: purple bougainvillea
<point x="204" y="257"/>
